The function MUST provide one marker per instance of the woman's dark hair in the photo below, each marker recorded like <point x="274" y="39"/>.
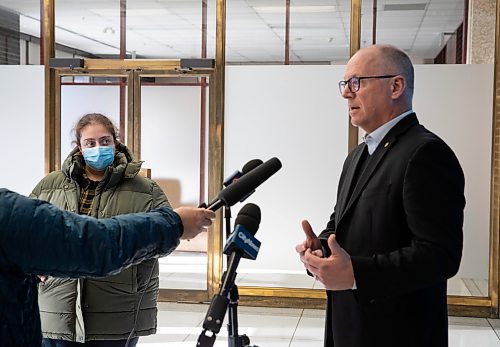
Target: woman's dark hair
<point x="94" y="118"/>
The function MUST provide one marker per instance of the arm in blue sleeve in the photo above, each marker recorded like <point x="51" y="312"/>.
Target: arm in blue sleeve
<point x="39" y="238"/>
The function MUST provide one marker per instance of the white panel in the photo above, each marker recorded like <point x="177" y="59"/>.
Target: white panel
<point x="295" y="113"/>
<point x="170" y="119"/>
<point x="77" y="101"/>
<point x="455" y="101"/>
<point x="292" y="112"/>
<point x="22" y="126"/>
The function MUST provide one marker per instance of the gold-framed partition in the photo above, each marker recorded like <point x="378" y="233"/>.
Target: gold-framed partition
<point x="264" y="296"/>
<point x="471" y="306"/>
<point x="132" y="71"/>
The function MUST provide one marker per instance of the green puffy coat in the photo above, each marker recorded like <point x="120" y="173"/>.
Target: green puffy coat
<point x="37" y="238"/>
<point x="105" y="308"/>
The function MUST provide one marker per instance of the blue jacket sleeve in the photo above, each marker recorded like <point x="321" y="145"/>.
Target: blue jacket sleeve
<point x="38" y="238"/>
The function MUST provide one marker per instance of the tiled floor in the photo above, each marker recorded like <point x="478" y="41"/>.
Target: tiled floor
<point x="180" y="325"/>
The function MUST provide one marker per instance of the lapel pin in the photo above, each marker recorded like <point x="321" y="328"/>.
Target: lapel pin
<point x="386" y="145"/>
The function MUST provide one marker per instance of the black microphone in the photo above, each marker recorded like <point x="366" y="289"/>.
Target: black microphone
<point x="252" y="164"/>
<point x="244" y="186"/>
<point x="242" y="239"/>
<point x="240" y="244"/>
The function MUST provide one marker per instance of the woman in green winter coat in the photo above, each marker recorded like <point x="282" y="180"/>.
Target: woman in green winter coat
<point x="99" y="178"/>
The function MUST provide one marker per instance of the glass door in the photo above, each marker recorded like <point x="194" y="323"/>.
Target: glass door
<point x="165" y="115"/>
<point x="174" y="117"/>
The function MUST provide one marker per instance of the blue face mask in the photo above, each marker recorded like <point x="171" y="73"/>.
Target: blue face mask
<point x="99" y="158"/>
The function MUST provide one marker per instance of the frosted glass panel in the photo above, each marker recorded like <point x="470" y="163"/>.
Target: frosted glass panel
<point x="171" y="146"/>
<point x="294" y="113"/>
<point x="297" y="114"/>
<point x="22" y="126"/>
<point x="448" y="104"/>
<point x="78" y="100"/>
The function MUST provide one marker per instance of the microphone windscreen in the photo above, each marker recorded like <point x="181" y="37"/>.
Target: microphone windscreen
<point x="252" y="164"/>
<point x="249" y="181"/>
<point x="249" y="218"/>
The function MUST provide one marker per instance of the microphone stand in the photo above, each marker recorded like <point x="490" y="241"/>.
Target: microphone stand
<point x="233" y="338"/>
<point x="226" y="300"/>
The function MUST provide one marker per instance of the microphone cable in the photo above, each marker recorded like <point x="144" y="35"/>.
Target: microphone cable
<point x="139" y="304"/>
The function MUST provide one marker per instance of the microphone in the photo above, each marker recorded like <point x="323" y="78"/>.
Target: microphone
<point x="240" y="244"/>
<point x="244" y="186"/>
<point x="252" y="164"/>
<point x="242" y="239"/>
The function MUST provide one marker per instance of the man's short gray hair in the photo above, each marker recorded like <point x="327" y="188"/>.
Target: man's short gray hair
<point x="399" y="60"/>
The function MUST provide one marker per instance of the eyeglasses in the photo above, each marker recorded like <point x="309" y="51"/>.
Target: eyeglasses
<point x="354" y="83"/>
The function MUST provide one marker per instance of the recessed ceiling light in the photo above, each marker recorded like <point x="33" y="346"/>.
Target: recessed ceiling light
<point x="142" y="12"/>
<point x="405" y="7"/>
<point x="295" y="9"/>
<point x="108" y="30"/>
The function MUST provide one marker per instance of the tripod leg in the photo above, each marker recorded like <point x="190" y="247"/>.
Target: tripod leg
<point x="205" y="340"/>
<point x="234" y="339"/>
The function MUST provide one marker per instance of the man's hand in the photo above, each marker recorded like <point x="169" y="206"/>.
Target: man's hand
<point x="336" y="271"/>
<point x="311" y="242"/>
<point x="195" y="220"/>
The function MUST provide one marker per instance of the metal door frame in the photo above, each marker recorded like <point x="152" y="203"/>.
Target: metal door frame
<point x="133" y="71"/>
<point x="459" y="305"/>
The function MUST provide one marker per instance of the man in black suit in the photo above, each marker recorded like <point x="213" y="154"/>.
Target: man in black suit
<point x="395" y="235"/>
